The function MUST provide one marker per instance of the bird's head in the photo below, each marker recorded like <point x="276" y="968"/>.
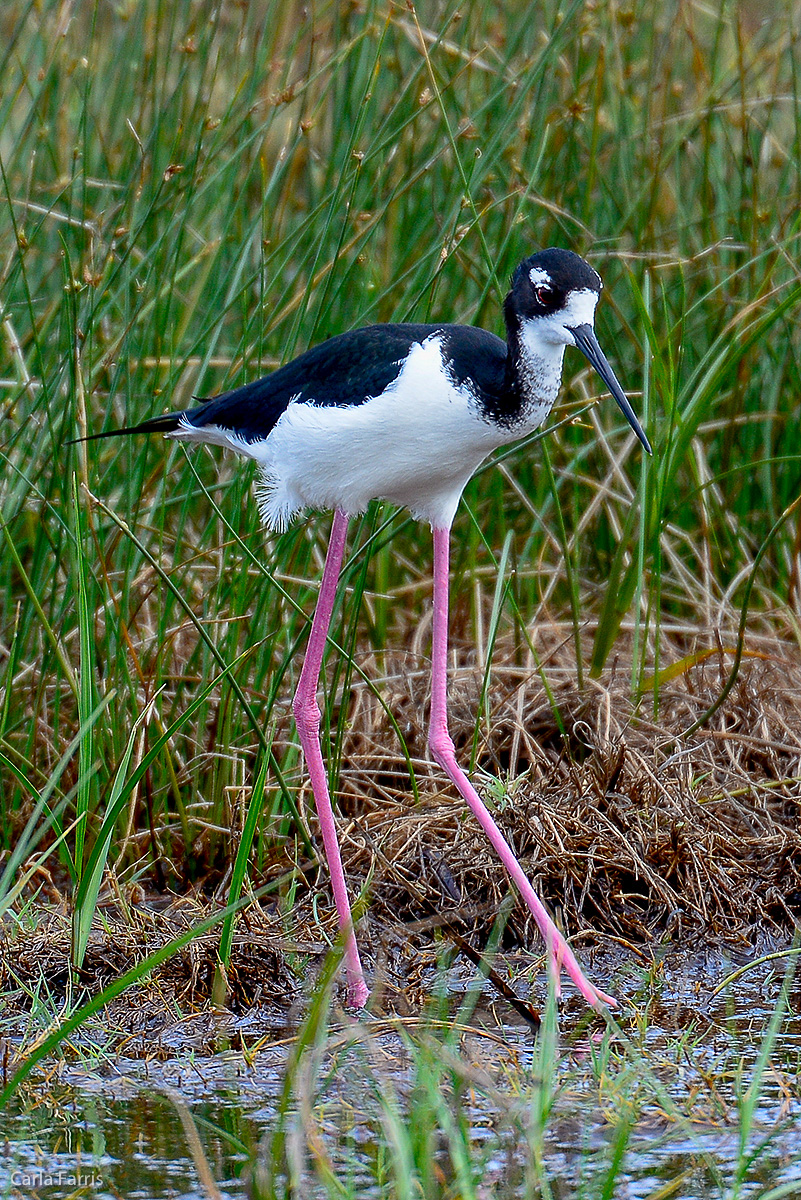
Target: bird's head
<point x="552" y="303"/>
<point x="552" y="292"/>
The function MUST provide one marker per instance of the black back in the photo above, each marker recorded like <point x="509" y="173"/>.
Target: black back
<point x="350" y="369"/>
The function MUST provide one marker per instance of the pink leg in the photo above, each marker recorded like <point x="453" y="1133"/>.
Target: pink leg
<point x="559" y="953"/>
<point x="307" y="718"/>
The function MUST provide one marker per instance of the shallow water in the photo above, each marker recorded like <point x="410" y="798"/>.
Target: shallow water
<point x="182" y="1122"/>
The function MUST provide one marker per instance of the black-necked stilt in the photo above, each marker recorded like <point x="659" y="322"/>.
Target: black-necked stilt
<point x="406" y="413"/>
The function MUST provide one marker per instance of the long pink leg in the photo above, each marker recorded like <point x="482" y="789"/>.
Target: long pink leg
<point x="558" y="952"/>
<point x="307" y="718"/>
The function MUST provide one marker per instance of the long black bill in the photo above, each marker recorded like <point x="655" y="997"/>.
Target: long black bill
<point x="587" y="343"/>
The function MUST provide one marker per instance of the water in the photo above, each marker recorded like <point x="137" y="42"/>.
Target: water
<point x="184" y="1123"/>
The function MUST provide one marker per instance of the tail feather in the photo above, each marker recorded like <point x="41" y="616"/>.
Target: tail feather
<point x="166" y="423"/>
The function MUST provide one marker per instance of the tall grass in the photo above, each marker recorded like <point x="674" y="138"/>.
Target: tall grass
<point x="190" y="195"/>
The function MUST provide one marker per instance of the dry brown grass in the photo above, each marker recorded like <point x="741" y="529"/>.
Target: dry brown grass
<point x="623" y="824"/>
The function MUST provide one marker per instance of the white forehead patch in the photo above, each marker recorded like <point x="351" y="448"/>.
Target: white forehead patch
<point x="539" y="277"/>
<point x="580" y="307"/>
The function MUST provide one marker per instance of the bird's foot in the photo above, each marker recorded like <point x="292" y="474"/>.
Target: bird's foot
<point x="358" y="993"/>
<point x="561" y="957"/>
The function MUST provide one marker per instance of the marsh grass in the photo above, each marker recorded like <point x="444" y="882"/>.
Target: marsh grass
<point x="190" y="197"/>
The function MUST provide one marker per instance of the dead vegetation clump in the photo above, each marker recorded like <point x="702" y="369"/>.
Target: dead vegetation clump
<point x="35" y="968"/>
<point x="627" y="827"/>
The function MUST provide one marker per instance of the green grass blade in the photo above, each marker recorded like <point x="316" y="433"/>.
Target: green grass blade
<point x="86" y="694"/>
<point x="239" y="871"/>
<point x="85" y="898"/>
<point x="103" y="998"/>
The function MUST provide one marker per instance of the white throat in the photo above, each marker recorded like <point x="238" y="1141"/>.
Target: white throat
<point x="542" y="349"/>
<point x="540" y="370"/>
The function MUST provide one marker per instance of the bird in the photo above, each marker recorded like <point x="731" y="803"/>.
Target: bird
<point x="406" y="413"/>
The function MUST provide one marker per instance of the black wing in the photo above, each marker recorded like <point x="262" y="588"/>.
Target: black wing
<point x="347" y="369"/>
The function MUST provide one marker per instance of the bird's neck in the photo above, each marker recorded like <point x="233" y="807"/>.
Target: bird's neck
<point x="533" y="371"/>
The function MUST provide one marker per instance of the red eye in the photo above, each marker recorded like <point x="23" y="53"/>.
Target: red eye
<point x="544" y="295"/>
